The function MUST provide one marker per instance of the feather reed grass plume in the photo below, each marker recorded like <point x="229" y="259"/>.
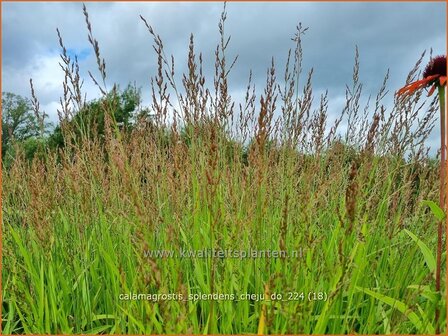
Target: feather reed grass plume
<point x="117" y="209"/>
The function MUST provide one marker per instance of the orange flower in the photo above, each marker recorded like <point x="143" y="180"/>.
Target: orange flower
<point x="434" y="74"/>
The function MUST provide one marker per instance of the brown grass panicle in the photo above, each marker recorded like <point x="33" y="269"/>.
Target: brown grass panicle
<point x="203" y="170"/>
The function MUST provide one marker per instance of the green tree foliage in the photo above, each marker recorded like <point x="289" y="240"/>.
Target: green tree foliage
<point x="18" y="120"/>
<point x="90" y="120"/>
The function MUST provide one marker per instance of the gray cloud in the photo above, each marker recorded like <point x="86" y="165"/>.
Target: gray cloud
<point x="389" y="35"/>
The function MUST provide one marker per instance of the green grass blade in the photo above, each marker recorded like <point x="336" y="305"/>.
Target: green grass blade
<point x="429" y="258"/>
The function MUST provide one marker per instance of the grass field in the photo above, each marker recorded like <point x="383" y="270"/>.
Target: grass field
<point x="88" y="229"/>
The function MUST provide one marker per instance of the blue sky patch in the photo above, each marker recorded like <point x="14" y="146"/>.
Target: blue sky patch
<point x="82" y="54"/>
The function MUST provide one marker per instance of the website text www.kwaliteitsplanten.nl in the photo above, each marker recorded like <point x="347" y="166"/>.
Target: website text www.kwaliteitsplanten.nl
<point x="222" y="253"/>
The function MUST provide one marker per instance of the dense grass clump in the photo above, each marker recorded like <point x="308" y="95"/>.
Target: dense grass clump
<point x="90" y="225"/>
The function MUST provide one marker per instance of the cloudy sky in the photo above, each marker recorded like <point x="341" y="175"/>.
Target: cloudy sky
<point x="388" y="35"/>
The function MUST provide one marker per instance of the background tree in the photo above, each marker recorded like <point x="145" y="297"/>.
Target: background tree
<point x="18" y="120"/>
<point x="89" y="121"/>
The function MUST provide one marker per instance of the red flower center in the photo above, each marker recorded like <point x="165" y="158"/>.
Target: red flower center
<point x="436" y="66"/>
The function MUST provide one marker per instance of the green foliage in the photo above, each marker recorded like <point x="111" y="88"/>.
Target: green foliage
<point x="435" y="209"/>
<point x="19" y="124"/>
<point x="420" y="323"/>
<point x="89" y="122"/>
<point x="30" y="148"/>
<point x="18" y="120"/>
<point x="78" y="235"/>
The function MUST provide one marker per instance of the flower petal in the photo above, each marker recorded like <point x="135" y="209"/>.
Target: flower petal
<point x="433" y="88"/>
<point x="442" y="81"/>
<point x="417" y="85"/>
